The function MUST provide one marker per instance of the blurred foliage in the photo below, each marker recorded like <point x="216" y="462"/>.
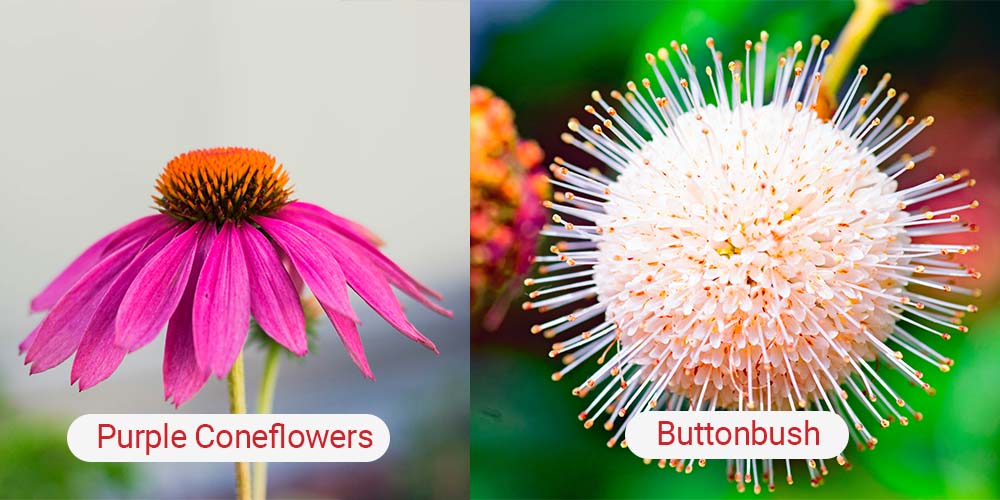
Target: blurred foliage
<point x="526" y="440"/>
<point x="546" y="66"/>
<point x="967" y="438"/>
<point x="731" y="23"/>
<point x="569" y="51"/>
<point x="36" y="463"/>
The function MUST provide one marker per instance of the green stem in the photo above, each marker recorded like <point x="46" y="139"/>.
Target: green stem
<point x="867" y="14"/>
<point x="238" y="405"/>
<point x="265" y="400"/>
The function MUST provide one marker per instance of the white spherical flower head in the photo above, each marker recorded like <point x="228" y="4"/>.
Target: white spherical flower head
<point x="717" y="249"/>
<point x="737" y="253"/>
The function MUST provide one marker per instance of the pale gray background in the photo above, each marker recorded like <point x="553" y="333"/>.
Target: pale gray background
<point x="363" y="102"/>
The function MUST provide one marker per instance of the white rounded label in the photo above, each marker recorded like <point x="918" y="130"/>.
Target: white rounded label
<point x="736" y="434"/>
<point x="227" y="438"/>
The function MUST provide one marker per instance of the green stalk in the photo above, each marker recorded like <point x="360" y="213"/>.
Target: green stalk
<point x="238" y="405"/>
<point x="864" y="19"/>
<point x="265" y="401"/>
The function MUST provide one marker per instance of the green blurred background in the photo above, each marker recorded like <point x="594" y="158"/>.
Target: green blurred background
<point x="546" y="57"/>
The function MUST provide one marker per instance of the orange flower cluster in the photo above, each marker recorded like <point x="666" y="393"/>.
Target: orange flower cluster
<point x="507" y="187"/>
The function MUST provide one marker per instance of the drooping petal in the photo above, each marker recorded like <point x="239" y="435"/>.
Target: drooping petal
<point x="348" y="225"/>
<point x="221" y="314"/>
<point x="297" y="281"/>
<point x="395" y="274"/>
<point x="341" y="224"/>
<point x="97" y="356"/>
<point x="347" y="330"/>
<point x="319" y="268"/>
<point x="138" y="229"/>
<point x="274" y="301"/>
<point x="155" y="292"/>
<point x="402" y="282"/>
<point x="314" y="262"/>
<point x="364" y="277"/>
<point x="26" y="343"/>
<point x="182" y="377"/>
<point x="59" y="333"/>
<point x="354" y="231"/>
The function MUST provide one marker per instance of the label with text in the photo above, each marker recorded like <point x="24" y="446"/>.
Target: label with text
<point x="737" y="434"/>
<point x="227" y="438"/>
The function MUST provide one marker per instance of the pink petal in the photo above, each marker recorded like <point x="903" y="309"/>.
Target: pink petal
<point x="138" y="229"/>
<point x="154" y="294"/>
<point x="342" y="224"/>
<point x="317" y="265"/>
<point x="221" y="315"/>
<point x="364" y="277"/>
<point x="314" y="262"/>
<point x="297" y="281"/>
<point x="360" y="245"/>
<point x="347" y="330"/>
<point x="182" y="377"/>
<point x="59" y="333"/>
<point x="97" y="356"/>
<point x="355" y="228"/>
<point x="274" y="302"/>
<point x="26" y="343"/>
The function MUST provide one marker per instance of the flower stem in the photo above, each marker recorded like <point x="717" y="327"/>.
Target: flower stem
<point x="867" y="14"/>
<point x="238" y="405"/>
<point x="265" y="400"/>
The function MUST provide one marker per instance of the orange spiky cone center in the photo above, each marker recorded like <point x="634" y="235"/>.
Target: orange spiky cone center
<point x="221" y="184"/>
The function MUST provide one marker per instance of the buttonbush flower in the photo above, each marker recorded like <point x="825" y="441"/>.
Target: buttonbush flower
<point x="228" y="243"/>
<point x="743" y="251"/>
<point x="506" y="188"/>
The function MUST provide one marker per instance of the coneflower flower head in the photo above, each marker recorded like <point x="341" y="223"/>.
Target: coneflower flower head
<point x="506" y="188"/>
<point x="224" y="184"/>
<point x="228" y="243"/>
<point x="750" y="253"/>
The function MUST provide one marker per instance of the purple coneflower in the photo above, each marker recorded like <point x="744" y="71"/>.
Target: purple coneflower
<point x="227" y="244"/>
<point x="748" y="253"/>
